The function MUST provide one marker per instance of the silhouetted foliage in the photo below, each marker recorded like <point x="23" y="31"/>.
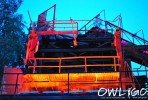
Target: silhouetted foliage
<point x="12" y="36"/>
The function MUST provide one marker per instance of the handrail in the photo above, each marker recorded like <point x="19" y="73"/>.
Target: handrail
<point x="109" y="23"/>
<point x="75" y="57"/>
<point x="60" y="28"/>
<point x="127" y="70"/>
<point x="136" y="37"/>
<point x="94" y="18"/>
<point x="85" y="65"/>
<point x="61" y="22"/>
<point x="67" y="66"/>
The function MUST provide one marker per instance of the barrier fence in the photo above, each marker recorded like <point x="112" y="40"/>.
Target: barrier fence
<point x="65" y="83"/>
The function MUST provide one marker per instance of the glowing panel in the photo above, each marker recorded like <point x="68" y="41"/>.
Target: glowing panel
<point x="77" y="81"/>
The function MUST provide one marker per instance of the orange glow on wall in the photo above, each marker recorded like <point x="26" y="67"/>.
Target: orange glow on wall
<point x="59" y="82"/>
<point x="77" y="81"/>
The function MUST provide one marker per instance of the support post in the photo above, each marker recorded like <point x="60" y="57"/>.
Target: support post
<point x="115" y="64"/>
<point x="60" y="65"/>
<point x="85" y="65"/>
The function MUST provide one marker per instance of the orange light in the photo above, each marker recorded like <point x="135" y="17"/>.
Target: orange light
<point x="83" y="81"/>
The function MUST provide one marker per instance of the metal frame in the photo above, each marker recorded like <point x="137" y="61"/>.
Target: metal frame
<point x="85" y="65"/>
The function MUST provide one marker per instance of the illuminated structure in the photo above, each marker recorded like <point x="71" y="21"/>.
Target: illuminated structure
<point x="73" y="60"/>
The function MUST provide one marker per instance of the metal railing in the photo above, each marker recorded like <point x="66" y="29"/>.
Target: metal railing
<point x="85" y="65"/>
<point x="14" y="88"/>
<point x="130" y="37"/>
<point x="60" y="27"/>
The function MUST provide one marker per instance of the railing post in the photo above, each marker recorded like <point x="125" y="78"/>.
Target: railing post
<point x="34" y="65"/>
<point x="77" y="27"/>
<point x="146" y="72"/>
<point x="85" y="64"/>
<point x="60" y="65"/>
<point x="16" y="85"/>
<point x="85" y="29"/>
<point x="68" y="82"/>
<point x="2" y="82"/>
<point x="115" y="63"/>
<point x="133" y="39"/>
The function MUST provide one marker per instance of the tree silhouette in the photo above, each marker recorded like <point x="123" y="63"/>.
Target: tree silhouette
<point x="12" y="36"/>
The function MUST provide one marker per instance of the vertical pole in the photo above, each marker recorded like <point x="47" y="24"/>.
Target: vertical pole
<point x="68" y="82"/>
<point x="77" y="28"/>
<point x="146" y="76"/>
<point x="31" y="21"/>
<point x="16" y="85"/>
<point x="54" y="17"/>
<point x="143" y="36"/>
<point x="119" y="19"/>
<point x="133" y="38"/>
<point x="60" y="65"/>
<point x="105" y="22"/>
<point x="3" y="79"/>
<point x="85" y="29"/>
<point x="74" y="35"/>
<point x="34" y="65"/>
<point x="120" y="79"/>
<point x="115" y="64"/>
<point x="85" y="65"/>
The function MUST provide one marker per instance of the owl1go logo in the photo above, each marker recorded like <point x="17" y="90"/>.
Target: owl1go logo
<point x="119" y="92"/>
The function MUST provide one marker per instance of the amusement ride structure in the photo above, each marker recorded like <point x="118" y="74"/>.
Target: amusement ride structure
<point x="63" y="58"/>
